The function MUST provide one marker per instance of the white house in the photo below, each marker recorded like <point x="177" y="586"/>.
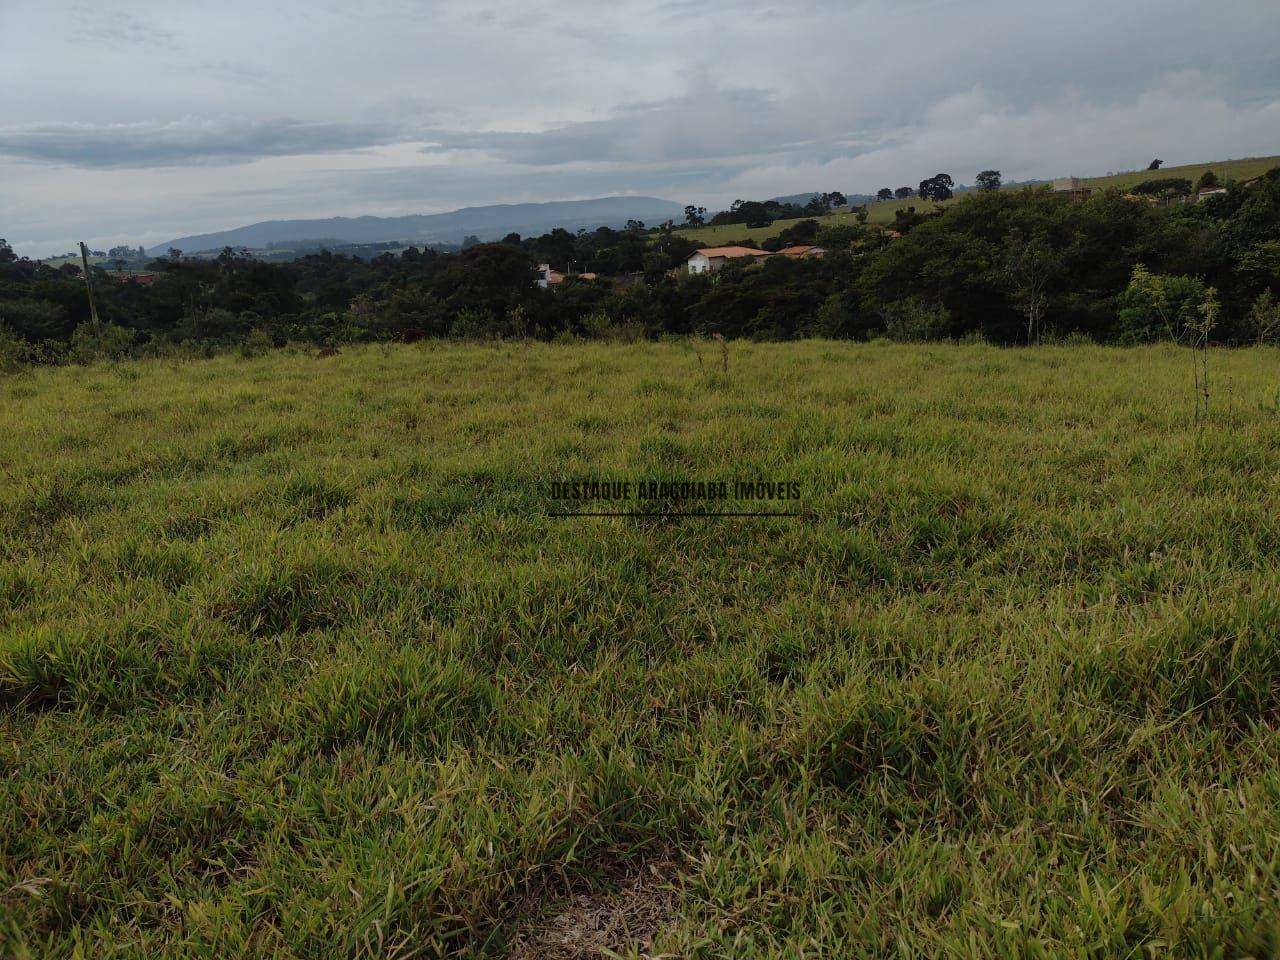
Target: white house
<point x="711" y="259"/>
<point x="548" y="277"/>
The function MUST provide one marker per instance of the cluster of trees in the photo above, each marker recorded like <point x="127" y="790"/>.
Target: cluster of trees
<point x="1166" y="187"/>
<point x="762" y="213"/>
<point x="940" y="187"/>
<point x="1011" y="266"/>
<point x="607" y="251"/>
<point x="1019" y="265"/>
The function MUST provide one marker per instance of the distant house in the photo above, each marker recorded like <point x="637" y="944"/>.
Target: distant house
<point x="1073" y="188"/>
<point x="1208" y="192"/>
<point x="549" y="278"/>
<point x="802" y="250"/>
<point x="712" y="259"/>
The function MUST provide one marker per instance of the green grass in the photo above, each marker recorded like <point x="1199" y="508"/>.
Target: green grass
<point x="882" y="212"/>
<point x="293" y="662"/>
<point x="718" y="236"/>
<point x="1225" y="169"/>
<point x="56" y="262"/>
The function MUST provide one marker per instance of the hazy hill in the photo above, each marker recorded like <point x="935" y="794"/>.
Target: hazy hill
<point x="487" y="223"/>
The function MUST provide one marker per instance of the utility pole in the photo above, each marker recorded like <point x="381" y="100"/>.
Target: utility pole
<point x="88" y="283"/>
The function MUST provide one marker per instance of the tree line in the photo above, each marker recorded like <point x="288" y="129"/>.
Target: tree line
<point x="1010" y="266"/>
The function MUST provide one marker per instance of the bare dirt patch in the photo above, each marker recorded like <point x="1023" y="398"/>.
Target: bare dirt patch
<point x="623" y="918"/>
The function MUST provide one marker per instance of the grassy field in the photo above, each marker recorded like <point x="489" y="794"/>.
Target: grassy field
<point x="1225" y="169"/>
<point x="883" y="212"/>
<point x="293" y="661"/>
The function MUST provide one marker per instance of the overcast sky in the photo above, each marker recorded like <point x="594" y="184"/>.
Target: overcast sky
<point x="136" y="121"/>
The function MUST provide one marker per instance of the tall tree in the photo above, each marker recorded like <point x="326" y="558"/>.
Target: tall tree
<point x="937" y="187"/>
<point x="902" y="193"/>
<point x="989" y="180"/>
<point x="1030" y="267"/>
<point x="884" y="193"/>
<point x="695" y="216"/>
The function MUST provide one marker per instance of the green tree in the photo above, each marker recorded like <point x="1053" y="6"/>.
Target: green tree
<point x="1264" y="317"/>
<point x="13" y="350"/>
<point x="938" y="187"/>
<point x="884" y="193"/>
<point x="1164" y="187"/>
<point x="1155" y="305"/>
<point x="917" y="318"/>
<point x="989" y="180"/>
<point x="1030" y="266"/>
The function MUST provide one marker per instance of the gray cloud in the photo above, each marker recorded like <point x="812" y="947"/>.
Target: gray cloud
<point x="407" y="106"/>
<point x="182" y="142"/>
<point x="709" y="123"/>
<point x="95" y="26"/>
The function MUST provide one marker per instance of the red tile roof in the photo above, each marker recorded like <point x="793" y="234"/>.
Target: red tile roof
<point x="730" y="253"/>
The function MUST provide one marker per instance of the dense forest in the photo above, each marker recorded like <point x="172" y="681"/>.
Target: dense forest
<point x="1012" y="266"/>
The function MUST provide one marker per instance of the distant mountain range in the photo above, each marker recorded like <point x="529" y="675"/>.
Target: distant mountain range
<point x="487" y="223"/>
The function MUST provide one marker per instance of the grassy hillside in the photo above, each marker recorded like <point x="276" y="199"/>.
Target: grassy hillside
<point x="1225" y="169"/>
<point x="883" y="212"/>
<point x="293" y="661"/>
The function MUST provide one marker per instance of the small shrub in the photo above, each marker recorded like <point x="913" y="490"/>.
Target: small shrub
<point x="914" y="320"/>
<point x="472" y="324"/>
<point x="87" y="346"/>
<point x="1264" y="318"/>
<point x="256" y="343"/>
<point x="13" y="350"/>
<point x="600" y="326"/>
